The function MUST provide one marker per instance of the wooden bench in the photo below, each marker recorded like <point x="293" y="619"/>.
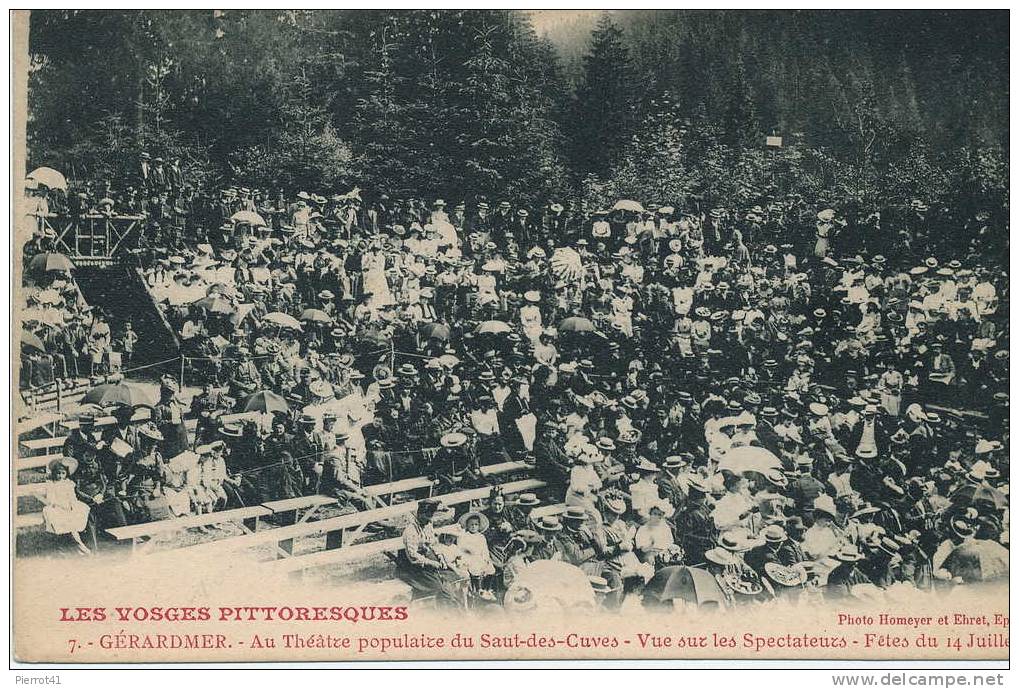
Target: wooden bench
<point x="247" y="517"/>
<point x="289" y="509"/>
<point x="46" y="421"/>
<point x="351" y="553"/>
<point x="363" y="551"/>
<point x="35" y="462"/>
<point x="24" y="521"/>
<point x="30" y="489"/>
<point x="336" y="527"/>
<point x="143" y="414"/>
<point x="42" y="444"/>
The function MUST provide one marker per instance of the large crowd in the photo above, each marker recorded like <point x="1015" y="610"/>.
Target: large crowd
<point x="780" y="394"/>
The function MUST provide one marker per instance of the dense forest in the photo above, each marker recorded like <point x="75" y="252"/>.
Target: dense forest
<point x="669" y="105"/>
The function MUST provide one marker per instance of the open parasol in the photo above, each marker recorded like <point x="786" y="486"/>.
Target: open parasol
<point x="108" y="394"/>
<point x="215" y="304"/>
<point x="315" y="316"/>
<point x="267" y="402"/>
<point x="567" y="264"/>
<point x="29" y="339"/>
<point x="628" y="205"/>
<point x="740" y="460"/>
<point x="248" y="217"/>
<point x="282" y="319"/>
<point x="43" y="263"/>
<point x="492" y="328"/>
<point x="49" y="177"/>
<point x="438" y="331"/>
<point x="978" y="560"/>
<point x="693" y="585"/>
<point x="576" y="324"/>
<point x="546" y="585"/>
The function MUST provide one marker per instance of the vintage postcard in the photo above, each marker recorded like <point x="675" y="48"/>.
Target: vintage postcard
<point x="510" y="334"/>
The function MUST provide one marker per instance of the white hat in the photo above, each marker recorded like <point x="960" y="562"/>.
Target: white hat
<point x="825" y="503"/>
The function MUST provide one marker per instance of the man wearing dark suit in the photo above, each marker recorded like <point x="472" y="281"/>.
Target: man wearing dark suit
<point x="515" y="406"/>
<point x="868" y="438"/>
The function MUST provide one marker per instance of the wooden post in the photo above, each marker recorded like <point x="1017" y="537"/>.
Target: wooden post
<point x="334" y="539"/>
<point x="287" y="544"/>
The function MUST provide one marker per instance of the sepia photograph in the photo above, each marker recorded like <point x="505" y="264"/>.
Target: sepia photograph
<point x="501" y="335"/>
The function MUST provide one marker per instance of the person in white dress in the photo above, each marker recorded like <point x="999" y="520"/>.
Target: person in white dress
<point x="530" y="317"/>
<point x="373" y="268"/>
<point x="474" y="552"/>
<point x="64" y="513"/>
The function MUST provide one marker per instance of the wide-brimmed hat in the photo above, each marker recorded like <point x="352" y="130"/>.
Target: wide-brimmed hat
<point x="549" y="523"/>
<point x="615" y="504"/>
<point x="962" y="528"/>
<point x="825" y="503"/>
<point x="454" y="439"/>
<point x="720" y="556"/>
<point x="774" y="534"/>
<point x="321" y="388"/>
<point x="150" y="431"/>
<point x="527" y="500"/>
<point x="575" y="513"/>
<point x="734" y="542"/>
<point x="70" y="463"/>
<point x="407" y="370"/>
<point x="675" y="462"/>
<point x="644" y="464"/>
<point x="848" y="553"/>
<point x="785" y="576"/>
<point x="482" y="519"/>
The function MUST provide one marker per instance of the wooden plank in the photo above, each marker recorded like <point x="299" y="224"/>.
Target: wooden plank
<point x="123" y="533"/>
<point x="24" y="521"/>
<point x="37" y="421"/>
<point x="352" y="553"/>
<point x="363" y="551"/>
<point x="33" y="489"/>
<point x="345" y="521"/>
<point x="37" y="444"/>
<point x="142" y="414"/>
<point x="291" y="504"/>
<point x="402" y="486"/>
<point x="37" y="462"/>
<point x="420" y="482"/>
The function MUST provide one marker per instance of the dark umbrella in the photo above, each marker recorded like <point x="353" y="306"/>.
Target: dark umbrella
<point x="978" y="560"/>
<point x="266" y="401"/>
<point x="47" y="262"/>
<point x="29" y="339"/>
<point x="117" y="393"/>
<point x="685" y="583"/>
<point x="979" y="492"/>
<point x="315" y="316"/>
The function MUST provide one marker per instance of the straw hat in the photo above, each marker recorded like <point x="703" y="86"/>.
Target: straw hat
<point x="484" y="524"/>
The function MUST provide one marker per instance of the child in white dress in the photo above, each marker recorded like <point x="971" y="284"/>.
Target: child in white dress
<point x="64" y="513"/>
<point x="474" y="552"/>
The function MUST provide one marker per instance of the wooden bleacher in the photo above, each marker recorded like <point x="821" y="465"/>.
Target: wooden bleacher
<point x="335" y="527"/>
<point x="246" y="517"/>
<point x="364" y="551"/>
<point x="57" y="394"/>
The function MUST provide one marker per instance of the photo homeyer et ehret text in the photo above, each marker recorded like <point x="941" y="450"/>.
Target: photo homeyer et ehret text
<point x="503" y="311"/>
